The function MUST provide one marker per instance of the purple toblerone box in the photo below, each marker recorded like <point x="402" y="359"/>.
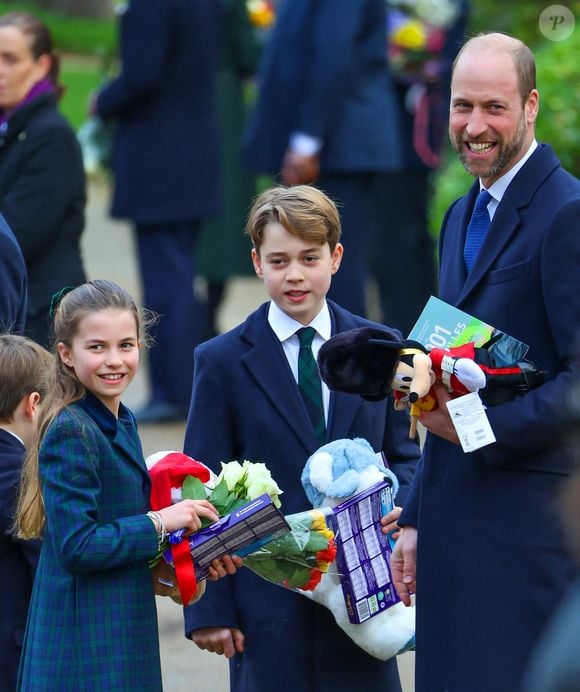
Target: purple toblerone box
<point x="364" y="552"/>
<point x="242" y="532"/>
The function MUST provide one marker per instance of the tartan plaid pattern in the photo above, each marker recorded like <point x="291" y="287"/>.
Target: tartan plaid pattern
<point x="92" y="622"/>
<point x="309" y="383"/>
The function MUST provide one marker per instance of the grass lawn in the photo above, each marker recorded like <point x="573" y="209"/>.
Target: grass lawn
<point x="81" y="76"/>
<point x="72" y="34"/>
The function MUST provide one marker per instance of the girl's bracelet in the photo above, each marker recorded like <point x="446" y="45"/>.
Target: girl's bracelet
<point x="159" y="524"/>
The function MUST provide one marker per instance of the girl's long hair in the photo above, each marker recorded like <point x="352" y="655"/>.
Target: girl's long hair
<point x="63" y="388"/>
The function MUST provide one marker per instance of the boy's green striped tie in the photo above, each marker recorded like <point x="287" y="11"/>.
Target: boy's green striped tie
<point x="309" y="383"/>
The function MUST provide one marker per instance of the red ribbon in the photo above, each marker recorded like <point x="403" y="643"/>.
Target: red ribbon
<point x="168" y="473"/>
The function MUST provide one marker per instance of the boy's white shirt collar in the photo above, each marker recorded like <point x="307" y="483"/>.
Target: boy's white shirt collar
<point x="284" y="326"/>
<point x="285" y="329"/>
<point x="497" y="190"/>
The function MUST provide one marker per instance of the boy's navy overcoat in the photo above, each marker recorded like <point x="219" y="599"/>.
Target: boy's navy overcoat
<point x="246" y="405"/>
<point x="17" y="563"/>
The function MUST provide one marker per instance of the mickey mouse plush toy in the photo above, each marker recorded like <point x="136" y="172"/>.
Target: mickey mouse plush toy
<point x="374" y="362"/>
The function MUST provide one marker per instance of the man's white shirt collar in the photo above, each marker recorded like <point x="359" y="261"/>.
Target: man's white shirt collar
<point x="497" y="190"/>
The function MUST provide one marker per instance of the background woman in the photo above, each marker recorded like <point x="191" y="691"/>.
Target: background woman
<point x="42" y="180"/>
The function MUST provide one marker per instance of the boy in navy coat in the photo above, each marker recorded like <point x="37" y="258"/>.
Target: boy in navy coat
<point x="23" y="364"/>
<point x="246" y="405"/>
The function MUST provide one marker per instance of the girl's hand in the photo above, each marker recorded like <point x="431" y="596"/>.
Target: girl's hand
<point x="186" y="515"/>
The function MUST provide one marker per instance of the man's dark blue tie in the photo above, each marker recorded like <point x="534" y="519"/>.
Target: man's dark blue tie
<point x="309" y="383"/>
<point x="477" y="229"/>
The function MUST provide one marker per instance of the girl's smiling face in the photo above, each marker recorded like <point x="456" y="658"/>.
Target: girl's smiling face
<point x="104" y="354"/>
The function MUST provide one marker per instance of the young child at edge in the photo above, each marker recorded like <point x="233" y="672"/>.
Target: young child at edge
<point x="23" y="367"/>
<point x="246" y="405"/>
<point x="92" y="623"/>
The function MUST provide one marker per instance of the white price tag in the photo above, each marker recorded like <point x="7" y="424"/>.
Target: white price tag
<point x="471" y="423"/>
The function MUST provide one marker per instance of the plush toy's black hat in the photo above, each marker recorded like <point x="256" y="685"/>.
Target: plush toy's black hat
<point x="360" y="361"/>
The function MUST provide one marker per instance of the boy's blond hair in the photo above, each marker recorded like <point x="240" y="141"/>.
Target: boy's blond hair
<point x="303" y="210"/>
<point x="24" y="368"/>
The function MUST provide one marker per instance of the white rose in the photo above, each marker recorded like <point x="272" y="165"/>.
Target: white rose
<point x="232" y="473"/>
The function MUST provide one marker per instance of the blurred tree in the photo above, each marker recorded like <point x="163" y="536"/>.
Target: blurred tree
<point x="100" y="9"/>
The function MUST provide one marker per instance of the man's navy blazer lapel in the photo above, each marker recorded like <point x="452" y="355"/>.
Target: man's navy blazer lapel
<point x="262" y="361"/>
<point x="504" y="226"/>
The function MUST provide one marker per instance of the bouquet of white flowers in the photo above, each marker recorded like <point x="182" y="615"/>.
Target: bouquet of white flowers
<point x="297" y="556"/>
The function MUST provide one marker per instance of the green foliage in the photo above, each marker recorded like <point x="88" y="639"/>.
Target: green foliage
<point x="80" y="78"/>
<point x="558" y="80"/>
<point x="86" y="36"/>
<point x="518" y="19"/>
<point x="193" y="489"/>
<point x="451" y="182"/>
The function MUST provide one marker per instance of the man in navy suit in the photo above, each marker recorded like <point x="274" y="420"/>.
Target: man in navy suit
<point x="23" y="365"/>
<point x="483" y="544"/>
<point x="165" y="163"/>
<point x="246" y="404"/>
<point x="327" y="112"/>
<point x="13" y="283"/>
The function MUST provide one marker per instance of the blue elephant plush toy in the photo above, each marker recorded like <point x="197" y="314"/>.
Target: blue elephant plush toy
<point x="335" y="472"/>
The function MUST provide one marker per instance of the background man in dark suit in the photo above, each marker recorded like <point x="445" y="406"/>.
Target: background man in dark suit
<point x="166" y="172"/>
<point x="492" y="562"/>
<point x="23" y="365"/>
<point x="12" y="282"/>
<point x="327" y="112"/>
<point x="401" y="253"/>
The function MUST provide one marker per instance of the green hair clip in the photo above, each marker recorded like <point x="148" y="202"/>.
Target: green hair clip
<point x="57" y="297"/>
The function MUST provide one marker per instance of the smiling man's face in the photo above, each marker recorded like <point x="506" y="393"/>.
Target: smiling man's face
<point x="489" y="127"/>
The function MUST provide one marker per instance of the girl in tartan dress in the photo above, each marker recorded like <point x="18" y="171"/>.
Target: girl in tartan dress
<point x="92" y="623"/>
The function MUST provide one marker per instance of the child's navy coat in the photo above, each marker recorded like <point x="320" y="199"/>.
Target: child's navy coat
<point x="246" y="405"/>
